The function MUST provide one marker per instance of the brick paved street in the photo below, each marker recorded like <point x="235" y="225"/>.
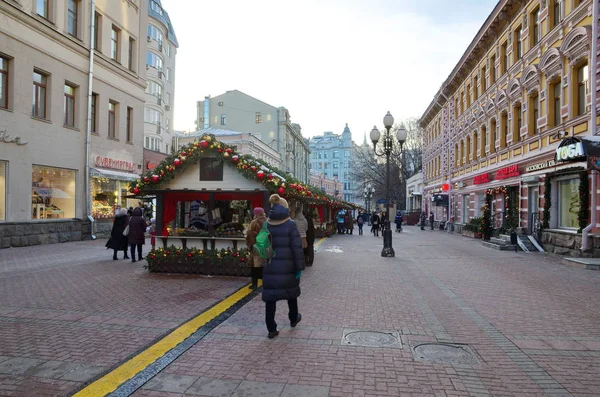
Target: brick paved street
<point x="69" y="313"/>
<point x="532" y="324"/>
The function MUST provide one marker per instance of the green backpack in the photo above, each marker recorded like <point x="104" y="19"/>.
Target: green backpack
<point x="262" y="247"/>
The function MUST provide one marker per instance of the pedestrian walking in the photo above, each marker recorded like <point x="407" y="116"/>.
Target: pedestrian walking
<point x="360" y="221"/>
<point x="309" y="252"/>
<point x="136" y="236"/>
<point x="281" y="275"/>
<point x="340" y="222"/>
<point x="118" y="235"/>
<point x="302" y="225"/>
<point x="431" y="220"/>
<point x="349" y="223"/>
<point x="398" y="220"/>
<point x="423" y="219"/>
<point x="375" y="220"/>
<point x="255" y="261"/>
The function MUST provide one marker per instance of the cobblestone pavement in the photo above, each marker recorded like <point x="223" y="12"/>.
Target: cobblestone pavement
<point x="69" y="313"/>
<point x="524" y="324"/>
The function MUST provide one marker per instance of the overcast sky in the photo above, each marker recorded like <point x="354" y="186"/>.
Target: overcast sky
<point x="329" y="62"/>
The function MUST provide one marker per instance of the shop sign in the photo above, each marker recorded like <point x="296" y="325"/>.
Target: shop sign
<point x="150" y="165"/>
<point x="508" y="172"/>
<point x="481" y="179"/>
<point x="540" y="166"/>
<point x="570" y="149"/>
<point x="4" y="137"/>
<point x="115" y="164"/>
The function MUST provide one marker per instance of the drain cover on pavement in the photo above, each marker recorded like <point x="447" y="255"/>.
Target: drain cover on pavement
<point x="371" y="339"/>
<point x="445" y="354"/>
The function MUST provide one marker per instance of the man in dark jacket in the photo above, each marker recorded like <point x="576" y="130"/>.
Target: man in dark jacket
<point x="309" y="251"/>
<point x="137" y="233"/>
<point x="281" y="275"/>
<point x="118" y="241"/>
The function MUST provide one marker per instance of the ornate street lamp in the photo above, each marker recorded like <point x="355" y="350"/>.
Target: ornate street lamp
<point x="368" y="194"/>
<point x="388" y="145"/>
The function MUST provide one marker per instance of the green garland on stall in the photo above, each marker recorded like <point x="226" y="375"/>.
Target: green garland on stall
<point x="250" y="167"/>
<point x="486" y="221"/>
<point x="193" y="257"/>
<point x="584" y="203"/>
<point x="511" y="208"/>
<point x="547" y="202"/>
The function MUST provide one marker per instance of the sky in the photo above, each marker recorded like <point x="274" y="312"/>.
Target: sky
<point x="329" y="62"/>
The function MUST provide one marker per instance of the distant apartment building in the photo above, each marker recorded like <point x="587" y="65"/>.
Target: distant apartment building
<point x="332" y="187"/>
<point x="160" y="69"/>
<point x="331" y="155"/>
<point x="237" y="111"/>
<point x="44" y="73"/>
<point x="519" y="93"/>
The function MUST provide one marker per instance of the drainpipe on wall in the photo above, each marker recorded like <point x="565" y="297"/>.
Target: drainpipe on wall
<point x="88" y="132"/>
<point x="593" y="126"/>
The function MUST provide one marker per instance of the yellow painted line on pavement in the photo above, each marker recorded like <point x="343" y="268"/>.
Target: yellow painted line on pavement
<point x="111" y="381"/>
<point x="321" y="241"/>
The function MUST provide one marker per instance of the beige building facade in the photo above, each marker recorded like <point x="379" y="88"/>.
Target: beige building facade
<point x="237" y="111"/>
<point x="521" y="90"/>
<point x="44" y="72"/>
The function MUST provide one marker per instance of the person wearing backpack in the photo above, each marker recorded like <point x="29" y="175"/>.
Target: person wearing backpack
<point x="255" y="261"/>
<point x="360" y="220"/>
<point x="281" y="274"/>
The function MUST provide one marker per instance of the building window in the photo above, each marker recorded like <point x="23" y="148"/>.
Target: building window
<point x="518" y="46"/>
<point x="475" y="145"/>
<point x="535" y="27"/>
<point x="468" y="151"/>
<point x="152" y="144"/>
<point x="517" y="123"/>
<point x="156" y="8"/>
<point x="555" y="117"/>
<point x="97" y="31"/>
<point x="568" y="203"/>
<point x="492" y="136"/>
<point x="154" y="61"/>
<point x="72" y="16"/>
<point x="347" y="153"/>
<point x="504" y="58"/>
<point x="462" y="102"/>
<point x="131" y="58"/>
<point x="155" y="33"/>
<point x="465" y="208"/>
<point x="52" y="193"/>
<point x="483" y="80"/>
<point x="129" y="124"/>
<point x="211" y="169"/>
<point x="336" y="154"/>
<point x="503" y="130"/>
<point x="94" y="115"/>
<point x="112" y="119"/>
<point x="168" y="98"/>
<point x="3" y="190"/>
<point x="167" y="124"/>
<point x="3" y="82"/>
<point x="258" y="118"/>
<point x="223" y="119"/>
<point x="483" y="141"/>
<point x="42" y="8"/>
<point x="556" y="12"/>
<point x="154" y="88"/>
<point x="475" y="88"/>
<point x="492" y="69"/>
<point x="115" y="36"/>
<point x="69" y="105"/>
<point x="533" y="111"/>
<point x="168" y="74"/>
<point x="152" y="116"/>
<point x="468" y="95"/>
<point x="40" y="81"/>
<point x="582" y="89"/>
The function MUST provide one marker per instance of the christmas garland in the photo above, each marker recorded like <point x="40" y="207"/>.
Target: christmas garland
<point x="247" y="165"/>
<point x="193" y="257"/>
<point x="584" y="194"/>
<point x="511" y="219"/>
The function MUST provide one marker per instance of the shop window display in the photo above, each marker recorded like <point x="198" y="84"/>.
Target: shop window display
<point x="108" y="196"/>
<point x="568" y="201"/>
<point x="2" y="191"/>
<point x="52" y="193"/>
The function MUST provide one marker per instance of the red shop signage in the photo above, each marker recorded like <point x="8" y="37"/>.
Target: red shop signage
<point x="508" y="172"/>
<point x="480" y="179"/>
<point x="150" y="165"/>
<point x="107" y="162"/>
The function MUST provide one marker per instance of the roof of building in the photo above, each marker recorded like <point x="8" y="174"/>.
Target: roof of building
<point x="164" y="18"/>
<point x="211" y="130"/>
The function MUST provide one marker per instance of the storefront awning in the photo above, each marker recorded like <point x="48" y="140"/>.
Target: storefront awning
<point x="121" y="176"/>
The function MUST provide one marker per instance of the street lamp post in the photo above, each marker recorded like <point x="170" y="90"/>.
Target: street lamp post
<point x="368" y="194"/>
<point x="388" y="145"/>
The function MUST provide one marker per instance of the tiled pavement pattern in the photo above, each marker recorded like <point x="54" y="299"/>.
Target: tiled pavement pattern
<point x="533" y="324"/>
<point x="69" y="312"/>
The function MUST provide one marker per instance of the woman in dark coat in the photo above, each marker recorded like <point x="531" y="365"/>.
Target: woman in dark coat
<point x="137" y="233"/>
<point x="281" y="276"/>
<point x="309" y="251"/>
<point x="117" y="241"/>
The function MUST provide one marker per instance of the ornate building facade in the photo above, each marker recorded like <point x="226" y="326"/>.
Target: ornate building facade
<point x="521" y="89"/>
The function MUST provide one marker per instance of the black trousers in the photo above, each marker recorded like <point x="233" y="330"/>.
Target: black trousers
<point x="270" y="313"/>
<point x="139" y="251"/>
<point x="360" y="229"/>
<point x="256" y="273"/>
<point x="124" y="251"/>
<point x="309" y="255"/>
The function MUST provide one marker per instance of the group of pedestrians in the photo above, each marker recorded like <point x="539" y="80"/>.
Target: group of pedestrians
<point x="129" y="232"/>
<point x="291" y="244"/>
<point x="345" y="222"/>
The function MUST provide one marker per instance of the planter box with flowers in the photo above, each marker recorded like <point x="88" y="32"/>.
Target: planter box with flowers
<point x="223" y="262"/>
<point x="473" y="229"/>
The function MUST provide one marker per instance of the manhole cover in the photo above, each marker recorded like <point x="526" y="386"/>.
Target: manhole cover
<point x="371" y="339"/>
<point x="445" y="354"/>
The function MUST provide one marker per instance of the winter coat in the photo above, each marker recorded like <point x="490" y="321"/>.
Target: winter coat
<point x="253" y="229"/>
<point x="349" y="222"/>
<point x="375" y="221"/>
<point x="279" y="275"/>
<point x="137" y="228"/>
<point x="117" y="241"/>
<point x="310" y="231"/>
<point x="301" y="224"/>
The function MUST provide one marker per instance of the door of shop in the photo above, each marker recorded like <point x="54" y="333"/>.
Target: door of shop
<point x="533" y="211"/>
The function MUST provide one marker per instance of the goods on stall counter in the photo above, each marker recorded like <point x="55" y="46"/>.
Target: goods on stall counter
<point x="191" y="231"/>
<point x="231" y="229"/>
